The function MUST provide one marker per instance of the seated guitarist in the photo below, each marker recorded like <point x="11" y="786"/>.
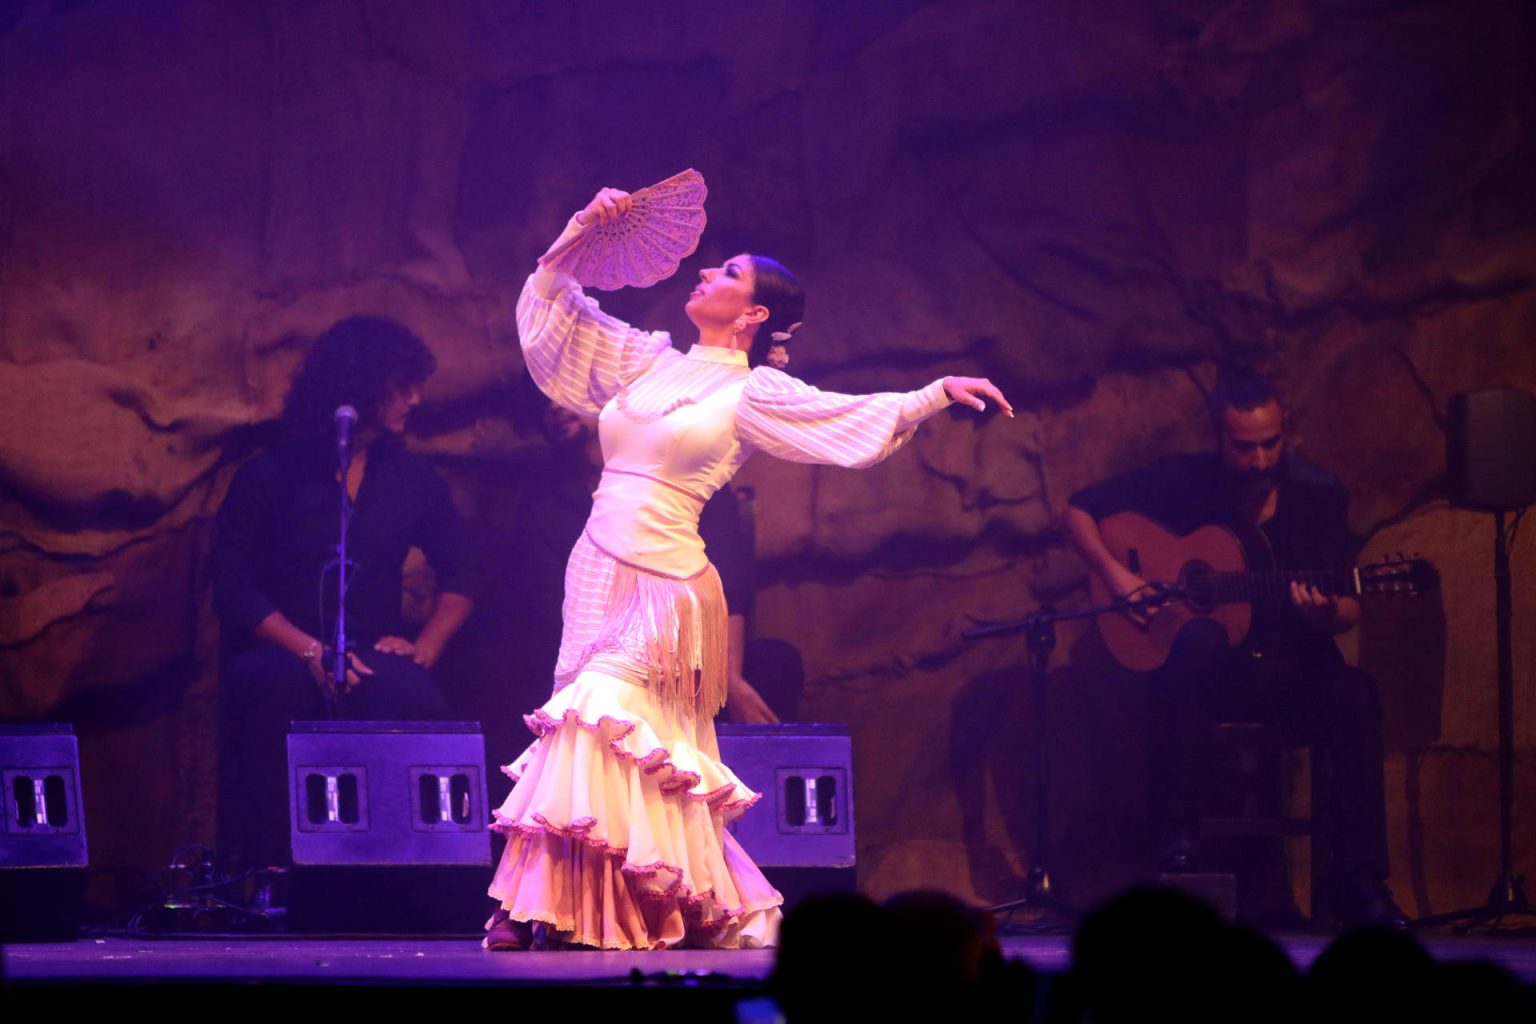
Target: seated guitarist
<point x="1287" y="671"/>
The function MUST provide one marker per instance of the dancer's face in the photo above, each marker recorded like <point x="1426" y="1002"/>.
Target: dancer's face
<point x="724" y="295"/>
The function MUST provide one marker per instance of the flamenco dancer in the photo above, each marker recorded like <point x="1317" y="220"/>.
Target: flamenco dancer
<point x="616" y="827"/>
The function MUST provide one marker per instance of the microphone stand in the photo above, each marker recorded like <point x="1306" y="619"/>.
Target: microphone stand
<point x="339" y="649"/>
<point x="1039" y="629"/>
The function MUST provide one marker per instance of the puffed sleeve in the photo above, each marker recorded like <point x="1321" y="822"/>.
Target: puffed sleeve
<point x="788" y="419"/>
<point x="578" y="355"/>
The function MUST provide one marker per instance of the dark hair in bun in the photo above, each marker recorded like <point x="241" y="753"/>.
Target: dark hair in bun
<point x="776" y="288"/>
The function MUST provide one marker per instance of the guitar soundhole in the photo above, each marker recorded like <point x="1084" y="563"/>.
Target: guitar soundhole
<point x="1198" y="581"/>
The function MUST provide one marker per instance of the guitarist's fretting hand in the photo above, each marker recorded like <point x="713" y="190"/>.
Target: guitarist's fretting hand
<point x="1324" y="611"/>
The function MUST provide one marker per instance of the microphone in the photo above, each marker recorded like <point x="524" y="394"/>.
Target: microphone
<point x="346" y="419"/>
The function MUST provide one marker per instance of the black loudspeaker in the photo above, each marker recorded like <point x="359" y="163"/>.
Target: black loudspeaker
<point x="42" y="842"/>
<point x="388" y="827"/>
<point x="801" y="833"/>
<point x="1490" y="450"/>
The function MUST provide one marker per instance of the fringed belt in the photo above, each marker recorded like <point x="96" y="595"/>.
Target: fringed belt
<point x="676" y="627"/>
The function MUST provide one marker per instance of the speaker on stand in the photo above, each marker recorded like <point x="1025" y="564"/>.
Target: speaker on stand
<point x="1491" y="464"/>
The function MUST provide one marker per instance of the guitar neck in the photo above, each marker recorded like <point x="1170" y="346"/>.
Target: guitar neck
<point x="1276" y="584"/>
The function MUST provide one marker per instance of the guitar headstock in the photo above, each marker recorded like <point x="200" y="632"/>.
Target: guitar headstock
<point x="1398" y="575"/>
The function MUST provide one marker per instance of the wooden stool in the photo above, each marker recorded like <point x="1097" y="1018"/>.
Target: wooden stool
<point x="1251" y="791"/>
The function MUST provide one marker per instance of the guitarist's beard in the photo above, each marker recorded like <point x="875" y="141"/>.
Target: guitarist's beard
<point x="1247" y="486"/>
<point x="1257" y="479"/>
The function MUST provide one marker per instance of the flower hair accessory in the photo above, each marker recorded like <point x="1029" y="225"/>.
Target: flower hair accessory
<point x="778" y="355"/>
<point x="786" y="333"/>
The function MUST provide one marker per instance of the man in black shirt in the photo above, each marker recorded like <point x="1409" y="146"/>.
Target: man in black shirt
<point x="274" y="579"/>
<point x="1287" y="671"/>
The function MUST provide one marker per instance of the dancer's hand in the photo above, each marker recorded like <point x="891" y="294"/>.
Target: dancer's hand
<point x="974" y="391"/>
<point x="745" y="705"/>
<point x="607" y="206"/>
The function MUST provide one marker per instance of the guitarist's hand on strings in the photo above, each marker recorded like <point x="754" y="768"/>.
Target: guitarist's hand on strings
<point x="1128" y="586"/>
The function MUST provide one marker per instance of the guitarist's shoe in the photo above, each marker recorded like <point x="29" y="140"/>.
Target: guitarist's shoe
<point x="1362" y="900"/>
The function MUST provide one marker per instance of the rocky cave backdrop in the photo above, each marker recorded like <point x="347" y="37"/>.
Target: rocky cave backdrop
<point x="1092" y="203"/>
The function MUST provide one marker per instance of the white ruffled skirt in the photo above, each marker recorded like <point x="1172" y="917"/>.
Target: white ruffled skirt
<point x="616" y="829"/>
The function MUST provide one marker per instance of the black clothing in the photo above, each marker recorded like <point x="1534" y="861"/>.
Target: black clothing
<point x="1286" y="673"/>
<point x="278" y="530"/>
<point x="725" y="544"/>
<point x="552" y="507"/>
<point x="262" y="689"/>
<point x="1329" y="705"/>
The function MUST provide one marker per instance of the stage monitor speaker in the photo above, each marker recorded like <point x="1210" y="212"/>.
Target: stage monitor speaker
<point x="387" y="823"/>
<point x="1490" y="453"/>
<point x="43" y="852"/>
<point x="801" y="833"/>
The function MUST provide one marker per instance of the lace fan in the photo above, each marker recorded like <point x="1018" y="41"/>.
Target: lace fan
<point x="643" y="246"/>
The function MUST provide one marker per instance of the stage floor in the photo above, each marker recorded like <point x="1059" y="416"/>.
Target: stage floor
<point x="414" y="961"/>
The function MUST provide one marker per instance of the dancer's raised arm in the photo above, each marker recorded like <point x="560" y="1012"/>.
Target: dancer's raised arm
<point x="578" y="355"/>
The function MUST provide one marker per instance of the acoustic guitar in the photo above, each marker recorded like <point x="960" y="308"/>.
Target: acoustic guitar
<point x="1207" y="574"/>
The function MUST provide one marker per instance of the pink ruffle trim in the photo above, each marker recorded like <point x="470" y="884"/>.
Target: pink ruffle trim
<point x="659" y="759"/>
<point x="677" y="890"/>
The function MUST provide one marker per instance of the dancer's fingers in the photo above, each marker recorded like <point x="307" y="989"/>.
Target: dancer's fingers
<point x="996" y="394"/>
<point x="608" y="205"/>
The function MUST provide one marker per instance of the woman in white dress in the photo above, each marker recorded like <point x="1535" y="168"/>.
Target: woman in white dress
<point x="616" y="827"/>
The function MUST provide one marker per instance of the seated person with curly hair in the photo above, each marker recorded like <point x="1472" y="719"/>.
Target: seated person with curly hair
<point x="274" y="576"/>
